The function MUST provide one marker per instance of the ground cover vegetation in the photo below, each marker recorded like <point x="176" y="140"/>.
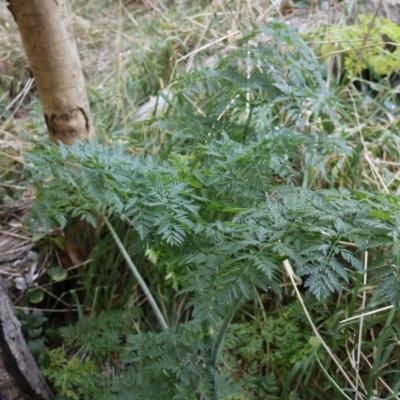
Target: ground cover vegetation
<point x="233" y="232"/>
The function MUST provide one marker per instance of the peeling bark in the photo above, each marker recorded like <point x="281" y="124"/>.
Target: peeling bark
<point x="20" y="378"/>
<point x="55" y="65"/>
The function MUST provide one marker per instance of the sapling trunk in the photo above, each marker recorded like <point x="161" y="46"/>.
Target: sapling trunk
<point x="54" y="60"/>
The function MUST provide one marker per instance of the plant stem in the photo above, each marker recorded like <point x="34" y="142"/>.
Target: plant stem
<point x="137" y="275"/>
<point x="331" y="379"/>
<point x="218" y="345"/>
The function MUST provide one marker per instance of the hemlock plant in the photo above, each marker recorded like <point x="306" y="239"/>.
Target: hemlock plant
<point x="232" y="200"/>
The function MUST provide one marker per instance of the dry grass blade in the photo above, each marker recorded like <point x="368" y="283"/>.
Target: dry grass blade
<point x="379" y="180"/>
<point x="360" y="332"/>
<point x="382" y="309"/>
<point x="387" y="387"/>
<point x="289" y="271"/>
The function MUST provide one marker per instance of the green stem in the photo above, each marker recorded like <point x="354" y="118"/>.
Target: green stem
<point x="218" y="345"/>
<point x="137" y="275"/>
<point x="331" y="379"/>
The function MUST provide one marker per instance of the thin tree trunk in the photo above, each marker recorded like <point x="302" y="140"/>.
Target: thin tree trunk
<point x="54" y="61"/>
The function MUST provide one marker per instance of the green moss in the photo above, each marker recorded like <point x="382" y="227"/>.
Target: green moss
<point x="373" y="53"/>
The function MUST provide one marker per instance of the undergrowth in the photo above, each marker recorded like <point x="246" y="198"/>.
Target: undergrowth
<point x="240" y="184"/>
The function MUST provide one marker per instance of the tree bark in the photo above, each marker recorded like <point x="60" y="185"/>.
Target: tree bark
<point x="54" y="60"/>
<point x="53" y="57"/>
<point x="20" y="378"/>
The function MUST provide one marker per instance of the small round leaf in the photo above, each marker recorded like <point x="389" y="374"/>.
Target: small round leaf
<point x="57" y="274"/>
<point x="35" y="295"/>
